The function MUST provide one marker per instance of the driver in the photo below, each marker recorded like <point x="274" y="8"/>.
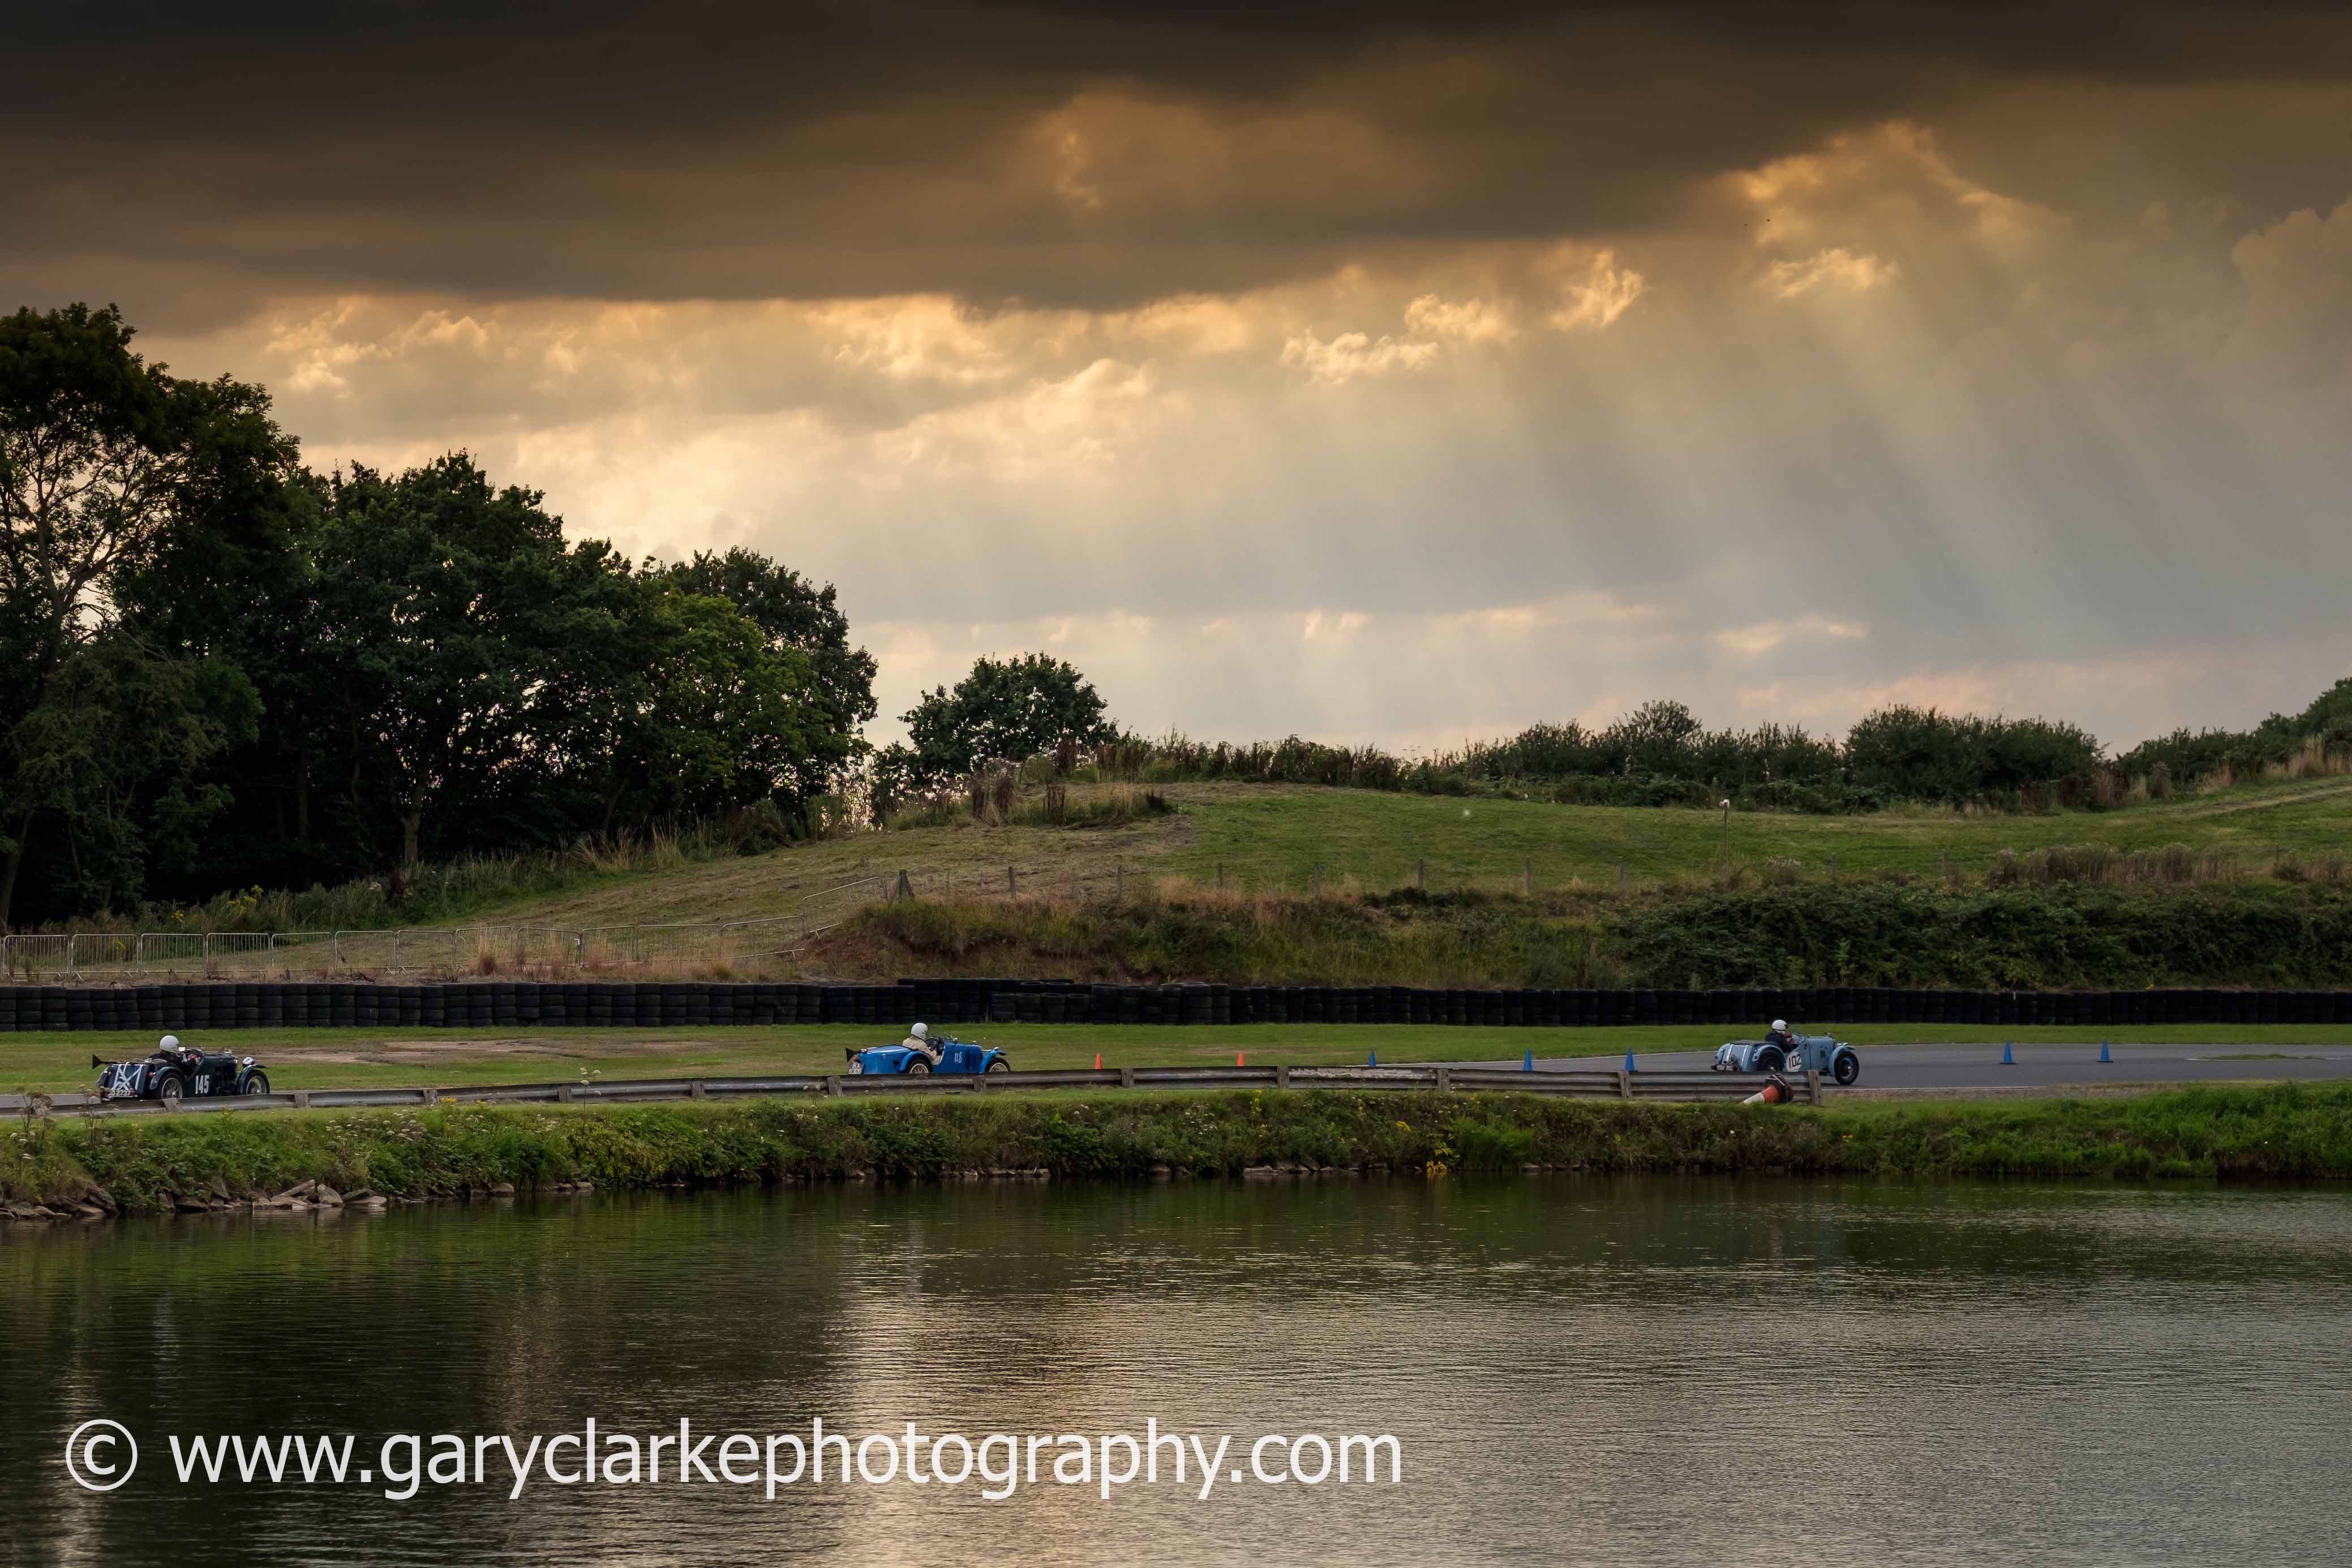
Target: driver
<point x="170" y="1046"/>
<point x="1780" y="1035"/>
<point x="920" y="1040"/>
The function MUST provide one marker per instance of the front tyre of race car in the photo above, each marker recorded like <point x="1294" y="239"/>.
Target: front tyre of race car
<point x="998" y="1064"/>
<point x="1846" y="1068"/>
<point x="255" y="1082"/>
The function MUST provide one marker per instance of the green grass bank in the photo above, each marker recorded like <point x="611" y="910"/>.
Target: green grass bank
<point x="140" y="1166"/>
<point x="1855" y="931"/>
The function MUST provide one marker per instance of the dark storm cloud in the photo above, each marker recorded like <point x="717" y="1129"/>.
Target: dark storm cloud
<point x="192" y="160"/>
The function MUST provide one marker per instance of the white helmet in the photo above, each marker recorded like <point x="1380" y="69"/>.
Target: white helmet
<point x="922" y="1032"/>
<point x="170" y="1043"/>
<point x="1780" y="1023"/>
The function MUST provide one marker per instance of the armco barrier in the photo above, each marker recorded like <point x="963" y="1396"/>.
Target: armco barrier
<point x="1605" y="1083"/>
<point x="509" y="1004"/>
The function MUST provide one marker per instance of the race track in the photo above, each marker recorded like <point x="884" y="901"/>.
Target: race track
<point x="2036" y="1067"/>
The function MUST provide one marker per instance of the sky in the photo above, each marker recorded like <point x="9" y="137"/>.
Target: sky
<point x="1377" y="373"/>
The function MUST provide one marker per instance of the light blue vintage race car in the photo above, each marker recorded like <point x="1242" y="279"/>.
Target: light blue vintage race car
<point x="955" y="1056"/>
<point x="1832" y="1058"/>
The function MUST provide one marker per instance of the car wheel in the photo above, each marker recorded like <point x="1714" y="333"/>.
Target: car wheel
<point x="1769" y="1060"/>
<point x="917" y="1068"/>
<point x="1846" y="1068"/>
<point x="169" y="1090"/>
<point x="257" y="1084"/>
<point x="1000" y="1065"/>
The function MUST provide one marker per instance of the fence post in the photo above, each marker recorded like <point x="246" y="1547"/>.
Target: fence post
<point x="1624" y="1084"/>
<point x="1813" y="1089"/>
<point x="1281" y="1076"/>
<point x="1127" y="1077"/>
<point x="1445" y="1080"/>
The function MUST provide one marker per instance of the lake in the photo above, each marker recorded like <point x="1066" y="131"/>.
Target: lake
<point x="1573" y="1369"/>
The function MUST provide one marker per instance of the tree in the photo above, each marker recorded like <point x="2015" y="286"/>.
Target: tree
<point x="679" y="705"/>
<point x="104" y="459"/>
<point x="1006" y="707"/>
<point x="731" y="718"/>
<point x="796" y="615"/>
<point x="436" y="614"/>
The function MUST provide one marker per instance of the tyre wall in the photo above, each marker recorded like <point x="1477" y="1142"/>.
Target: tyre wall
<point x="693" y="1005"/>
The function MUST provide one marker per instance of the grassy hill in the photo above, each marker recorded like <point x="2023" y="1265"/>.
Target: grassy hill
<point x="1293" y="837"/>
<point x="1300" y="884"/>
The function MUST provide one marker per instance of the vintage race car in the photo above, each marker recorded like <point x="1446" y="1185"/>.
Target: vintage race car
<point x="177" y="1072"/>
<point x="1833" y="1058"/>
<point x="955" y="1056"/>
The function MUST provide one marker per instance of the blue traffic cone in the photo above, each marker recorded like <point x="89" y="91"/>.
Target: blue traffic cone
<point x="2008" y="1059"/>
<point x="1629" y="1061"/>
<point x="1373" y="1060"/>
<point x="2103" y="1052"/>
<point x="1527" y="1062"/>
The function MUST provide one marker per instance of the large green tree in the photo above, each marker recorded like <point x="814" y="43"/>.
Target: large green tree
<point x="1009" y="708"/>
<point x="439" y="614"/>
<point x="107" y="465"/>
<point x="795" y="614"/>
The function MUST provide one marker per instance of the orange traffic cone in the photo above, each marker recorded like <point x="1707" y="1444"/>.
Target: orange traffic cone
<point x="1237" y="1060"/>
<point x="1098" y="1061"/>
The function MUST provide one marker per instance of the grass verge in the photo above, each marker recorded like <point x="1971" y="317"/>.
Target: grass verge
<point x="2290" y="1132"/>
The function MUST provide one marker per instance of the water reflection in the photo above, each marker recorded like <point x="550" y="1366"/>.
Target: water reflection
<point x="1580" y="1369"/>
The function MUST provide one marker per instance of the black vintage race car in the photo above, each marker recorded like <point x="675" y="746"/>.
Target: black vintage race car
<point x="175" y="1072"/>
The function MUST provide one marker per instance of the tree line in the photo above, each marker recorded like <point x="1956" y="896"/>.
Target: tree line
<point x="1036" y="709"/>
<point x="225" y="669"/>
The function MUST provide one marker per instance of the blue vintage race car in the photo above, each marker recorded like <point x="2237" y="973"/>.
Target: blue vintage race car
<point x="1819" y="1053"/>
<point x="955" y="1056"/>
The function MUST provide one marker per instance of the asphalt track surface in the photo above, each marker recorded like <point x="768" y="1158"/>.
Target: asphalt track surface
<point x="2036" y="1066"/>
